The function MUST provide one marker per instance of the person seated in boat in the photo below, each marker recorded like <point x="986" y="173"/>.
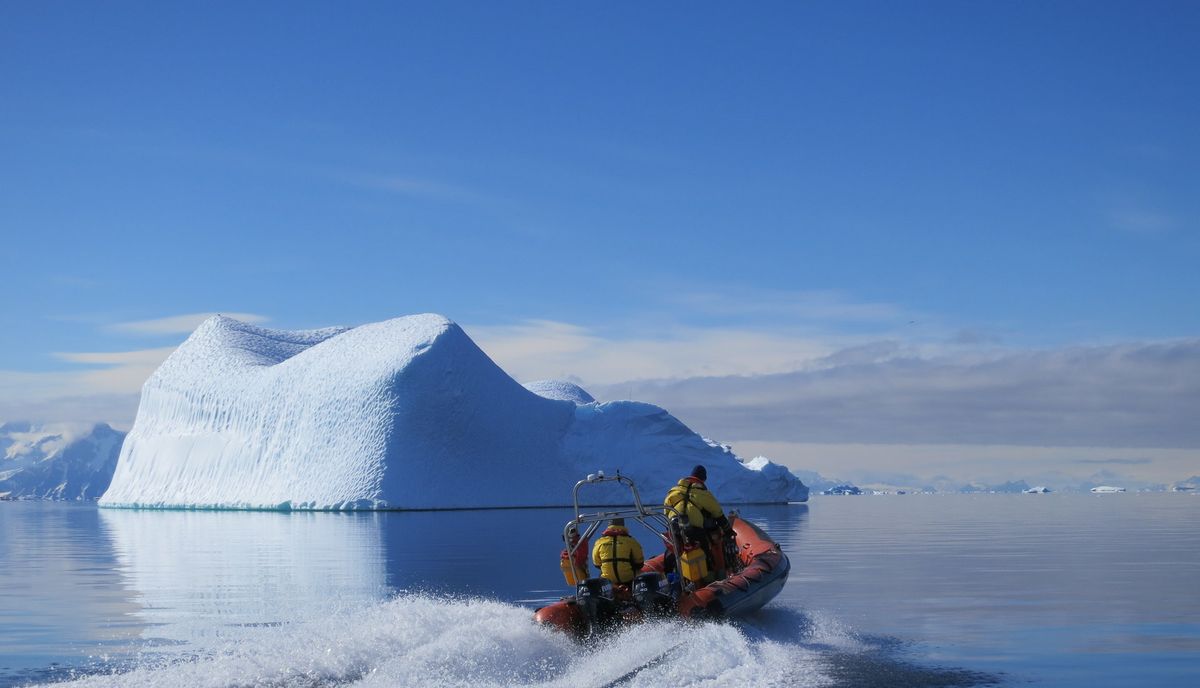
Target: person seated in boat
<point x="706" y="524"/>
<point x="574" y="558"/>
<point x="618" y="554"/>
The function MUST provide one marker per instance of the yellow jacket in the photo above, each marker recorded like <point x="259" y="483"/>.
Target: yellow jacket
<point x="692" y="498"/>
<point x="618" y="555"/>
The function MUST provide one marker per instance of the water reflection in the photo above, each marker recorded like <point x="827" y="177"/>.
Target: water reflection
<point x="1065" y="590"/>
<point x="507" y="554"/>
<point x="224" y="594"/>
<point x="202" y="574"/>
<point x="60" y="597"/>
<point x="512" y="554"/>
<point x="199" y="574"/>
<point x="785" y="524"/>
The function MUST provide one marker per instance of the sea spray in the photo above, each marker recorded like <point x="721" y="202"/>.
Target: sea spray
<point x="426" y="640"/>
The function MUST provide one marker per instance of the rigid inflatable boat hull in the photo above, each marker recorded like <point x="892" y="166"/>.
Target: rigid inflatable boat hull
<point x="764" y="573"/>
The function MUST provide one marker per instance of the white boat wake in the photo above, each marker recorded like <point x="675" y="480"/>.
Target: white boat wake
<point x="420" y="640"/>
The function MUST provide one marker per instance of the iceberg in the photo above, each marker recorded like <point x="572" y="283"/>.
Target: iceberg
<point x="561" y="390"/>
<point x="1105" y="489"/>
<point x="846" y="489"/>
<point x="406" y="413"/>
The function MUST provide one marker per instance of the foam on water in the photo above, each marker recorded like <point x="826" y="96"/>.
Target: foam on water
<point x="430" y="641"/>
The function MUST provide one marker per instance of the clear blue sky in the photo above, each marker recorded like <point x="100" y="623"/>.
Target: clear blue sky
<point x="1022" y="168"/>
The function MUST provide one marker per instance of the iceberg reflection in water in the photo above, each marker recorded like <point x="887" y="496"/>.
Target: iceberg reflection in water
<point x="199" y="575"/>
<point x="317" y="599"/>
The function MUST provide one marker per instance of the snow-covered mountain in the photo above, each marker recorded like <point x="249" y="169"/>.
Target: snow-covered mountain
<point x="406" y="413"/>
<point x="57" y="461"/>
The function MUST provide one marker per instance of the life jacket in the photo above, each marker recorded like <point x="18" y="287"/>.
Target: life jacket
<point x="618" y="555"/>
<point x="579" y="558"/>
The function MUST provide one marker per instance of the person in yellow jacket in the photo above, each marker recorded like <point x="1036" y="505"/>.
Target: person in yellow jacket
<point x="617" y="554"/>
<point x="691" y="498"/>
<point x="706" y="521"/>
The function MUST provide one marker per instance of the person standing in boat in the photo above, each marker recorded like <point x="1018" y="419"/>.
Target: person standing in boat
<point x="574" y="558"/>
<point x="706" y="524"/>
<point x="618" y="555"/>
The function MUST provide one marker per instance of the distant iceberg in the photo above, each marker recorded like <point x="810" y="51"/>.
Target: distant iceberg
<point x="1040" y="489"/>
<point x="403" y="414"/>
<point x="843" y="490"/>
<point x="1106" y="489"/>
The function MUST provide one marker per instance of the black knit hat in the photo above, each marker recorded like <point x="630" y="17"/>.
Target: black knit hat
<point x="699" y="472"/>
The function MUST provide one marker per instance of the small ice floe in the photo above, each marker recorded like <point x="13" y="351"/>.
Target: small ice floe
<point x="1107" y="488"/>
<point x="1040" y="489"/>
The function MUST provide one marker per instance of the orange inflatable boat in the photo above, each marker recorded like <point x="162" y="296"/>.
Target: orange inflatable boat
<point x="659" y="590"/>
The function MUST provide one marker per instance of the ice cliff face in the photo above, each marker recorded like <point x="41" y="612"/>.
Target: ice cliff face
<point x="57" y="461"/>
<point x="407" y="413"/>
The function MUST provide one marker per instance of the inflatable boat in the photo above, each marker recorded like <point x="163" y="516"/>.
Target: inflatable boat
<point x="663" y="589"/>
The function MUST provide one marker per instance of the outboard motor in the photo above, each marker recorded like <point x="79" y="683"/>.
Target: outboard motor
<point x="595" y="597"/>
<point x="653" y="593"/>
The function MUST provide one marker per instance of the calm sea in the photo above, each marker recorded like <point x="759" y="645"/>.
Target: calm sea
<point x="912" y="590"/>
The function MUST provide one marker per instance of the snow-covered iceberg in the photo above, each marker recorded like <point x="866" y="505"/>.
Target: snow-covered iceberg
<point x="403" y="414"/>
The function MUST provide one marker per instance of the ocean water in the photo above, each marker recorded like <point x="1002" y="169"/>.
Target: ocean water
<point x="912" y="590"/>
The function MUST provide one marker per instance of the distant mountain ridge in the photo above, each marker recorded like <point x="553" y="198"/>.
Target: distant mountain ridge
<point x="59" y="461"/>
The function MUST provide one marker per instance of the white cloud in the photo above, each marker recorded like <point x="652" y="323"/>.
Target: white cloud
<point x="812" y="399"/>
<point x="420" y="187"/>
<point x="123" y="372"/>
<point x="1131" y="395"/>
<point x="107" y="388"/>
<point x="178" y="324"/>
<point x="19" y="385"/>
<point x="825" y="306"/>
<point x="848" y="406"/>
<point x="539" y="349"/>
<point x="991" y="463"/>
<point x="117" y="410"/>
<point x="1138" y="221"/>
<point x="105" y="391"/>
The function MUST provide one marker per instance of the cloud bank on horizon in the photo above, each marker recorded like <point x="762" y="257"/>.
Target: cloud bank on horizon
<point x="853" y="404"/>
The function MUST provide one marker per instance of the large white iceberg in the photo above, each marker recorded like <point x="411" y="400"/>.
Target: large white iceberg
<point x="403" y="414"/>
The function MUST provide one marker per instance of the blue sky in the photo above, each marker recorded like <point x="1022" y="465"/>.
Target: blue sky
<point x="679" y="191"/>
